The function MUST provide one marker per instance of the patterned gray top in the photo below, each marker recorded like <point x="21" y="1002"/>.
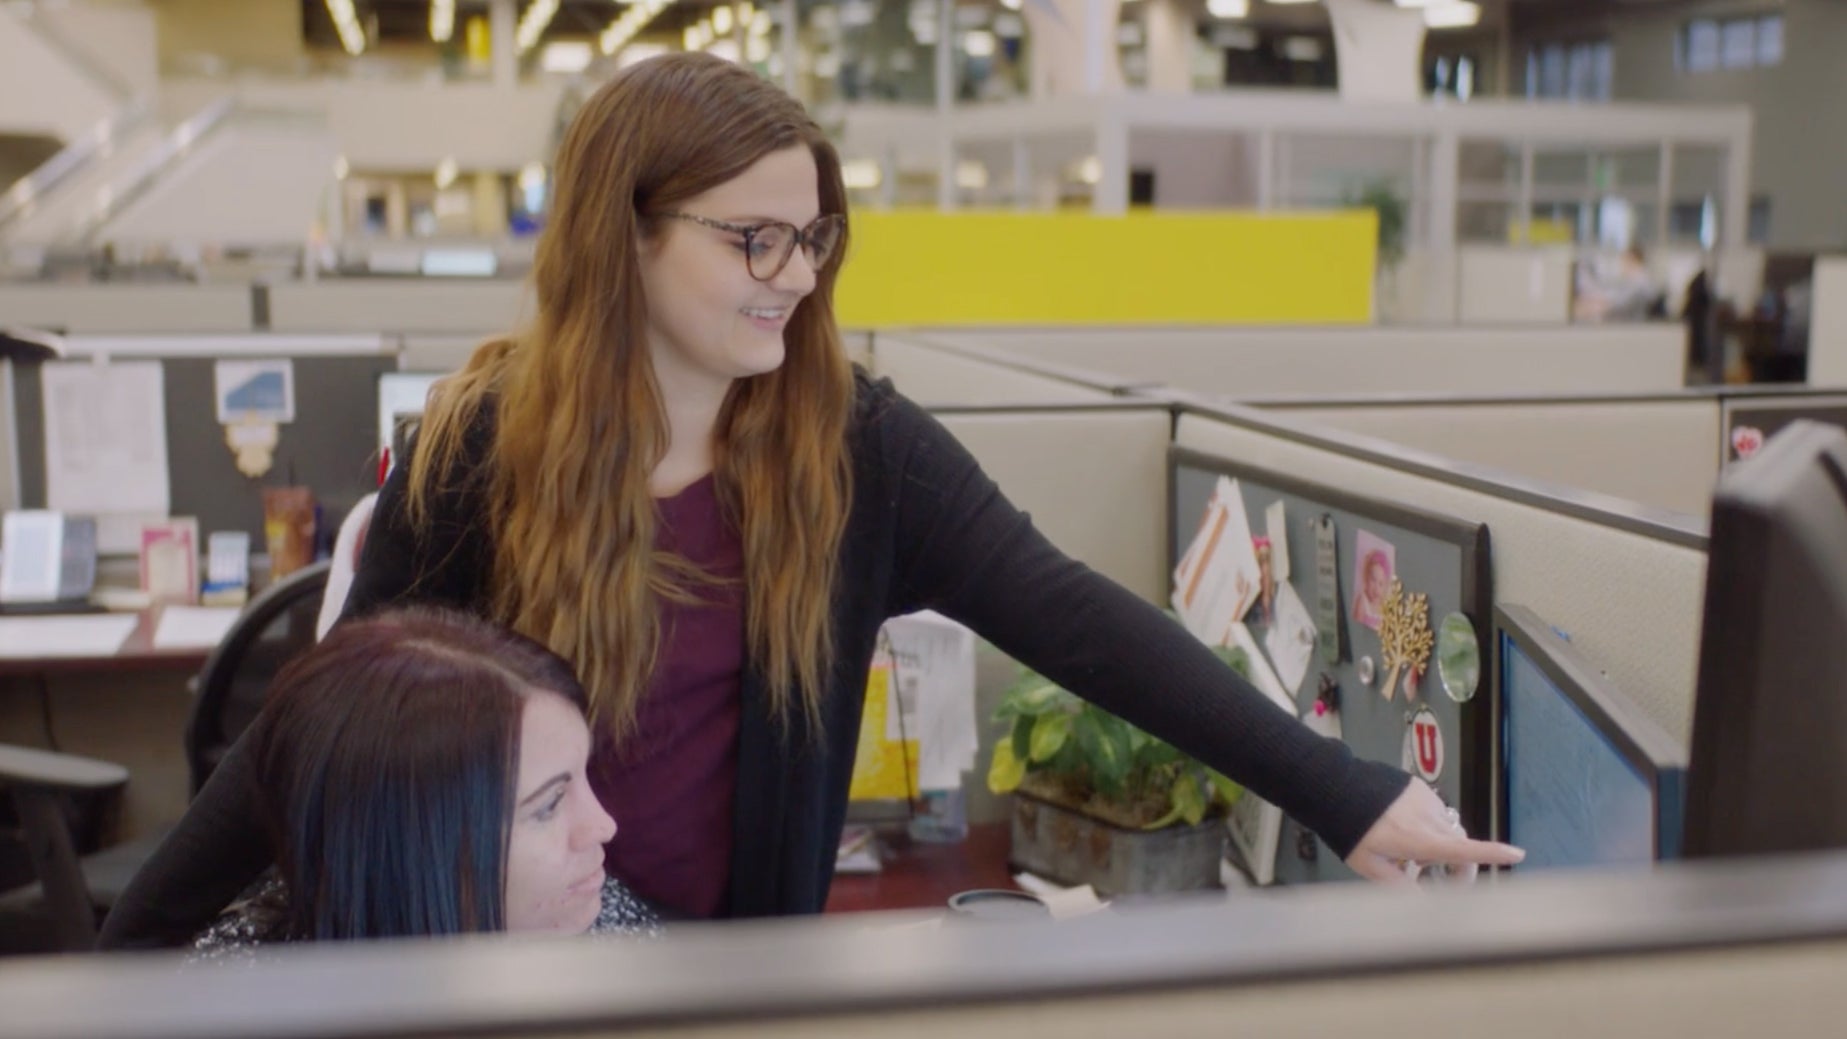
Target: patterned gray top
<point x="256" y="919"/>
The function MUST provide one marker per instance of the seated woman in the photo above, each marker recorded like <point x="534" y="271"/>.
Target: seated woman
<point x="422" y="773"/>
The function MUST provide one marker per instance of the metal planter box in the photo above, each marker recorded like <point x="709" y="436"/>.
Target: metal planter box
<point x="1063" y="846"/>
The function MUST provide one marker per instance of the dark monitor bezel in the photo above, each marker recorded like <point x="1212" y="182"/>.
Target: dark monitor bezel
<point x="1641" y="742"/>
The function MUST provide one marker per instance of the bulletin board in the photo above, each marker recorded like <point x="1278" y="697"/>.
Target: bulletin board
<point x="330" y="446"/>
<point x="1440" y="556"/>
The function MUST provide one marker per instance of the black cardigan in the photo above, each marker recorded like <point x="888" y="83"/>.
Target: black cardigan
<point x="928" y="530"/>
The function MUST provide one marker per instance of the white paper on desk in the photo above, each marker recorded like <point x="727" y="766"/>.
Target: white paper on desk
<point x="87" y="635"/>
<point x="106" y="446"/>
<point x="193" y="627"/>
<point x="1291" y="638"/>
<point x="935" y="691"/>
<point x="1219" y="579"/>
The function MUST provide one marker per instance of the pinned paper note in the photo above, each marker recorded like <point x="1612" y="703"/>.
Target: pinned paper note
<point x="934" y="693"/>
<point x="1276" y="528"/>
<point x="1219" y="577"/>
<point x="1291" y="639"/>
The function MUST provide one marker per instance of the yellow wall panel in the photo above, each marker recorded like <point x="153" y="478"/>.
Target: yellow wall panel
<point x="1148" y="268"/>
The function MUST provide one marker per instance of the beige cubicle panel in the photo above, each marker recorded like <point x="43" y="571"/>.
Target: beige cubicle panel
<point x="1246" y="363"/>
<point x="934" y="377"/>
<point x="1095" y="483"/>
<point x="1625" y="582"/>
<point x="1828" y="324"/>
<point x="470" y="307"/>
<point x="129" y="309"/>
<point x="1737" y="949"/>
<point x="1656" y="451"/>
<point x="1514" y="285"/>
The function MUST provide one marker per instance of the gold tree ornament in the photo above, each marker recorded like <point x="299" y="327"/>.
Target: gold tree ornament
<point x="1404" y="638"/>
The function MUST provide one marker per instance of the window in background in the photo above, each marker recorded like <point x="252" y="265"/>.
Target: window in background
<point x="1451" y="75"/>
<point x="1746" y="42"/>
<point x="1580" y="71"/>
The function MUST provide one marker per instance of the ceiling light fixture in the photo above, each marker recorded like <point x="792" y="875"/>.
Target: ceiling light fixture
<point x="631" y="22"/>
<point x="346" y="23"/>
<point x="442" y="20"/>
<point x="1457" y="14"/>
<point x="533" y="23"/>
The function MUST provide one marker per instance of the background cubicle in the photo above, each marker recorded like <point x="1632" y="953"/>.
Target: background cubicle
<point x="1249" y="362"/>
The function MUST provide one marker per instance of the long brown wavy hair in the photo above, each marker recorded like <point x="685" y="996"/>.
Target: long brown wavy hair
<point x="579" y="424"/>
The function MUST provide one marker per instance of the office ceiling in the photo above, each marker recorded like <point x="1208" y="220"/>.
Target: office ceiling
<point x="407" y="21"/>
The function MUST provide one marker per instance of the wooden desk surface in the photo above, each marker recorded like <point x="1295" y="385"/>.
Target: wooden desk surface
<point x="137" y="653"/>
<point x="923" y="876"/>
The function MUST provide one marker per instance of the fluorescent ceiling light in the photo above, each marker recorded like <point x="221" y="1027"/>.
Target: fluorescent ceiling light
<point x="532" y="24"/>
<point x="442" y="20"/>
<point x="1422" y="3"/>
<point x="566" y="56"/>
<point x="346" y="23"/>
<point x="1459" y="14"/>
<point x="631" y="21"/>
<point x="1228" y="8"/>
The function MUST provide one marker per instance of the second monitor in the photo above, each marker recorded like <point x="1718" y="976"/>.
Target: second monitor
<point x="1590" y="780"/>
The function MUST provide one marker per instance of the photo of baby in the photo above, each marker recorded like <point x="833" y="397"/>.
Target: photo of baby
<point x="1374" y="563"/>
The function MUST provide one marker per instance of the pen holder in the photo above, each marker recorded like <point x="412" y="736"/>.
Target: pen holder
<point x="288" y="527"/>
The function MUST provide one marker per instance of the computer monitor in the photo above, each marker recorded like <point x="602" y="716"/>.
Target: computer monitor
<point x="1768" y="768"/>
<point x="1589" y="780"/>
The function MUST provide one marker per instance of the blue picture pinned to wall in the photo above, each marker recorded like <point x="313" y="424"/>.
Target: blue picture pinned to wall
<point x="255" y="391"/>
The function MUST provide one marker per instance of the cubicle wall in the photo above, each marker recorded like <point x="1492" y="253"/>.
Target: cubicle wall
<point x="1624" y="581"/>
<point x="1661" y="451"/>
<point x="933" y="377"/>
<point x="470" y="307"/>
<point x="1704" y="949"/>
<point x="129" y="309"/>
<point x="1260" y="362"/>
<point x="1828" y="324"/>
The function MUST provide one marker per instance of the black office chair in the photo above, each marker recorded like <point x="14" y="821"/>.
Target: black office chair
<point x="61" y="912"/>
<point x="229" y="689"/>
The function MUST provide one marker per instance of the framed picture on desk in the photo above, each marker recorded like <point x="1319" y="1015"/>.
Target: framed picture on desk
<point x="170" y="560"/>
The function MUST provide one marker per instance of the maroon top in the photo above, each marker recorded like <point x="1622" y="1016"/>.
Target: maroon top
<point x="671" y="791"/>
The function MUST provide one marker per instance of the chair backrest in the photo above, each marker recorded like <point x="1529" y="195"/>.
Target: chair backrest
<point x="277" y="625"/>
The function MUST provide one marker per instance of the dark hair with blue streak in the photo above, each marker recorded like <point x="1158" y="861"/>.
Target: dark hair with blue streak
<point x="388" y="757"/>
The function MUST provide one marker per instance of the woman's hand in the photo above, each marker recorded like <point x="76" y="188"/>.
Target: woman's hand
<point x="1419" y="828"/>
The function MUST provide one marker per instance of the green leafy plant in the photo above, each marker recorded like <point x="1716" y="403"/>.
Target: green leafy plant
<point x="1067" y="751"/>
<point x="1380" y="197"/>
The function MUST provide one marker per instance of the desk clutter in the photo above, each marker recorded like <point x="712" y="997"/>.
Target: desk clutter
<point x="53" y="606"/>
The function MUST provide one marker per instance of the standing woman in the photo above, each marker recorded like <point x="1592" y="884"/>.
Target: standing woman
<point x="673" y="478"/>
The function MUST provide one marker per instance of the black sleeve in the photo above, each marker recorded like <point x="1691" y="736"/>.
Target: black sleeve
<point x="965" y="551"/>
<point x="444" y="565"/>
<point x="217" y="849"/>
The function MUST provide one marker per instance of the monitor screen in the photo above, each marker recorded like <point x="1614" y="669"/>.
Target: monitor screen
<point x="1589" y="781"/>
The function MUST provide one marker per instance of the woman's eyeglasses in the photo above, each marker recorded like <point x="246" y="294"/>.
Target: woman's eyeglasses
<point x="769" y="246"/>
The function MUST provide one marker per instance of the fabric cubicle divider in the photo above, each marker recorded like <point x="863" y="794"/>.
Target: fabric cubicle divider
<point x="1248" y="362"/>
<point x="933" y="377"/>
<point x="131" y="309"/>
<point x="461" y="306"/>
<point x="1093" y="479"/>
<point x="1656" y="451"/>
<point x="1624" y="581"/>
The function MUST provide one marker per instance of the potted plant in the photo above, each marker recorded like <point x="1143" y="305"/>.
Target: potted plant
<point x="1098" y="801"/>
<point x="1393" y="213"/>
